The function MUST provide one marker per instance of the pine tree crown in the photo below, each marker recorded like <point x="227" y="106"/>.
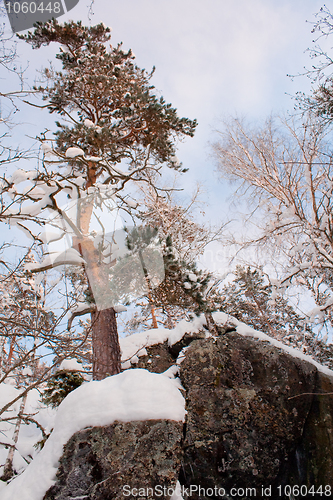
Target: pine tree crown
<point x="110" y="100"/>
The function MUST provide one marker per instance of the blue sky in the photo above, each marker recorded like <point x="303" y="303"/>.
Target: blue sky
<point x="213" y="59"/>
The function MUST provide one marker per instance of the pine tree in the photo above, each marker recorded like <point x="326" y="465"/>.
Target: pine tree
<point x="136" y="272"/>
<point x="251" y="299"/>
<point x="177" y="228"/>
<point x="181" y="293"/>
<point x="184" y="286"/>
<point x="115" y="117"/>
<point x="59" y="386"/>
<point x="118" y="114"/>
<point x="138" y="241"/>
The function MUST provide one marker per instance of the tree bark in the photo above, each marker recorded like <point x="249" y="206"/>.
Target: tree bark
<point x="106" y="349"/>
<point x="105" y="342"/>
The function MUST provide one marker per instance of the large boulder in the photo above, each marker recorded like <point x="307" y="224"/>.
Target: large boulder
<point x="243" y="421"/>
<point x="258" y="419"/>
<point x="107" y="463"/>
<point x="161" y="356"/>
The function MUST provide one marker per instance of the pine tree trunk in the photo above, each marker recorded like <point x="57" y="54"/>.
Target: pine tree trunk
<point x="105" y="341"/>
<point x="106" y="349"/>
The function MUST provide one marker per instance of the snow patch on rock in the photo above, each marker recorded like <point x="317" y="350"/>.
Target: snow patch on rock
<point x="129" y="396"/>
<point x="222" y="318"/>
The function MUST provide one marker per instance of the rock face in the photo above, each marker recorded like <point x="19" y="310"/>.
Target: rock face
<point x="253" y="422"/>
<point x="314" y="454"/>
<point x="161" y="356"/>
<point x="98" y="463"/>
<point x="244" y="426"/>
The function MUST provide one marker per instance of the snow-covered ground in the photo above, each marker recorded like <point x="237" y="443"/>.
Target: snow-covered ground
<point x="135" y="394"/>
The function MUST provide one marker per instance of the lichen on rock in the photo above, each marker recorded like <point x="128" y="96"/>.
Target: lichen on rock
<point x="241" y="424"/>
<point x="99" y="462"/>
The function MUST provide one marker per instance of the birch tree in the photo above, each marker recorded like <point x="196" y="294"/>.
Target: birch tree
<point x="284" y="170"/>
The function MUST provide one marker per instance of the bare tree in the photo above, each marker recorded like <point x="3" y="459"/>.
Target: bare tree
<point x="320" y="99"/>
<point x="284" y="169"/>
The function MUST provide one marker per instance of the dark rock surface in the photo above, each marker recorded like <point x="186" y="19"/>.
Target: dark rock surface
<point x="157" y="360"/>
<point x="161" y="356"/>
<point x="255" y="419"/>
<point x="242" y="428"/>
<point x="98" y="462"/>
<point x="314" y="454"/>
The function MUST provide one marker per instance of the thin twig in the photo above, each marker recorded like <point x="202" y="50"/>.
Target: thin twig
<point x="312" y="394"/>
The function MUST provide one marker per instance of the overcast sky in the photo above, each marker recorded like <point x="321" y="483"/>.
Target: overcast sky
<point x="213" y="58"/>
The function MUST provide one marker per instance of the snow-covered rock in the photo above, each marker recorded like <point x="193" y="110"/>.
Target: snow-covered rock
<point x="222" y="318"/>
<point x="130" y="396"/>
<point x="135" y="345"/>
